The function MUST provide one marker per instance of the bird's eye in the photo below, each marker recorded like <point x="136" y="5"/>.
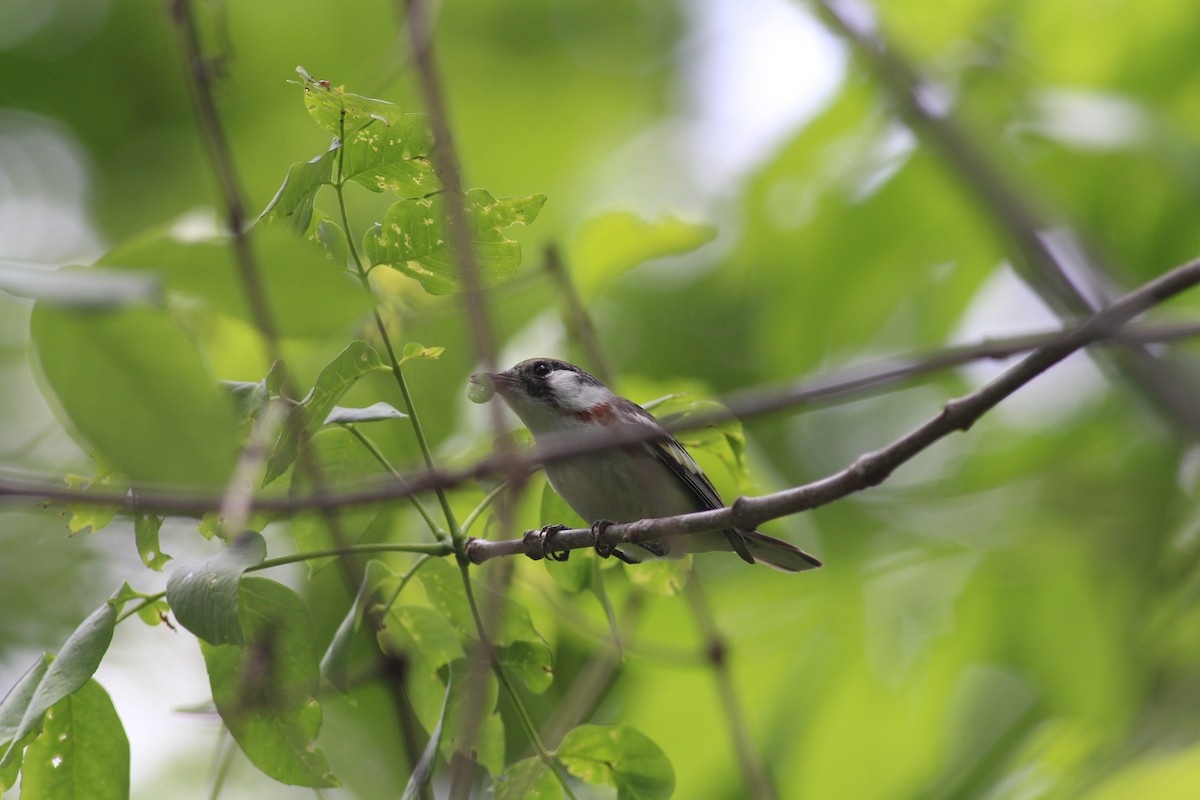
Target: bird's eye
<point x="541" y="369"/>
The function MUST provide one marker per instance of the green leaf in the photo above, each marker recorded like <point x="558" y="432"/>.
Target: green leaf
<point x="48" y="681"/>
<point x="414" y="239"/>
<point x="204" y="594"/>
<point x="89" y="517"/>
<point x="418" y="782"/>
<point x="375" y="412"/>
<point x="611" y="244"/>
<point x="518" y="644"/>
<point x="619" y="756"/>
<point x="145" y="531"/>
<point x="72" y="287"/>
<point x="529" y="778"/>
<point x="414" y="351"/>
<point x="81" y="753"/>
<point x="724" y="440"/>
<point x="393" y="156"/>
<point x="136" y="388"/>
<point x="340" y="112"/>
<point x="306" y="294"/>
<point x="429" y="634"/>
<point x="343" y="464"/>
<point x="485" y="739"/>
<point x="335" y="380"/>
<point x="292" y="205"/>
<point x="665" y="577"/>
<point x="335" y="664"/>
<point x="265" y="691"/>
<point x="331" y="235"/>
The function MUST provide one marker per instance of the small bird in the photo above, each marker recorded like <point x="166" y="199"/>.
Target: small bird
<point x="655" y="478"/>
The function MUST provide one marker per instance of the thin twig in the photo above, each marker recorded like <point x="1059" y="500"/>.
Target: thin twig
<point x="201" y="73"/>
<point x="837" y="385"/>
<point x="579" y="321"/>
<point x="1171" y="387"/>
<point x="870" y="469"/>
<point x="758" y="782"/>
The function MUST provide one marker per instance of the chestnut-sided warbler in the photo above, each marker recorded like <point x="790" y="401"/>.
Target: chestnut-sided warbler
<point x="654" y="478"/>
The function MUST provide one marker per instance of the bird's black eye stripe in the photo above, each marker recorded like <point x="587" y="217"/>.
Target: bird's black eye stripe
<point x="542" y="369"/>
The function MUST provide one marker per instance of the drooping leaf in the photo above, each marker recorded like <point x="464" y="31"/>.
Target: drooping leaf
<point x="292" y="205"/>
<point x="611" y="244"/>
<point x="73" y="287"/>
<point x="82" y="752"/>
<point x="331" y="235"/>
<point x="618" y="756"/>
<point x="372" y="413"/>
<point x="145" y="531"/>
<point x="204" y="594"/>
<point x="49" y="681"/>
<point x="265" y="691"/>
<point x="135" y="387"/>
<point x="335" y="380"/>
<point x="418" y="782"/>
<point x="335" y="664"/>
<point x="415" y="240"/>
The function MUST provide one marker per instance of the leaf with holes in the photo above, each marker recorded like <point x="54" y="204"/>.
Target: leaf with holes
<point x="414" y="239"/>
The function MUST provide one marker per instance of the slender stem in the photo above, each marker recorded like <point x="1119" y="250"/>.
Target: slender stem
<point x="146" y="601"/>
<point x="758" y="782"/>
<point x="522" y="713"/>
<point x="382" y="459"/>
<point x="224" y="760"/>
<point x="408" y="576"/>
<point x="424" y="548"/>
<point x="456" y="533"/>
<point x="484" y="504"/>
<point x="579" y="321"/>
<point x="837" y="386"/>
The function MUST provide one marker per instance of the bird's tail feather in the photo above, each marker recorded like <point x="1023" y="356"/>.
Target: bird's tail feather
<point x="777" y="553"/>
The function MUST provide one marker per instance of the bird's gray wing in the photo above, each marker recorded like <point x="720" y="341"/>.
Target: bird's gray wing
<point x="669" y="452"/>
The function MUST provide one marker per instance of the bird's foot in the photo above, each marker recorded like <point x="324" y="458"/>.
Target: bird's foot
<point x="539" y="544"/>
<point x="607" y="550"/>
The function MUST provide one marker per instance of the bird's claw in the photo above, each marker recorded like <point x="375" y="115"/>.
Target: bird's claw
<point x="607" y="550"/>
<point x="539" y="544"/>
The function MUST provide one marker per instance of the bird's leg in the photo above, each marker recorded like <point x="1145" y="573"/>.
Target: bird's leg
<point x="538" y="544"/>
<point x="602" y="550"/>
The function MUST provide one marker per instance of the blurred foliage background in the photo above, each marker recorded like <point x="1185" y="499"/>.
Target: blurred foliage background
<point x="1012" y="615"/>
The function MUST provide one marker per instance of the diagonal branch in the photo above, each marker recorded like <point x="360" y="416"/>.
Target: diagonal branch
<point x="1172" y="387"/>
<point x="833" y="387"/>
<point x="870" y="469"/>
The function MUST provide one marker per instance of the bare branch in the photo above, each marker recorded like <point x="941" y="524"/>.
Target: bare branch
<point x="1172" y="388"/>
<point x="870" y="469"/>
<point x="837" y="385"/>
